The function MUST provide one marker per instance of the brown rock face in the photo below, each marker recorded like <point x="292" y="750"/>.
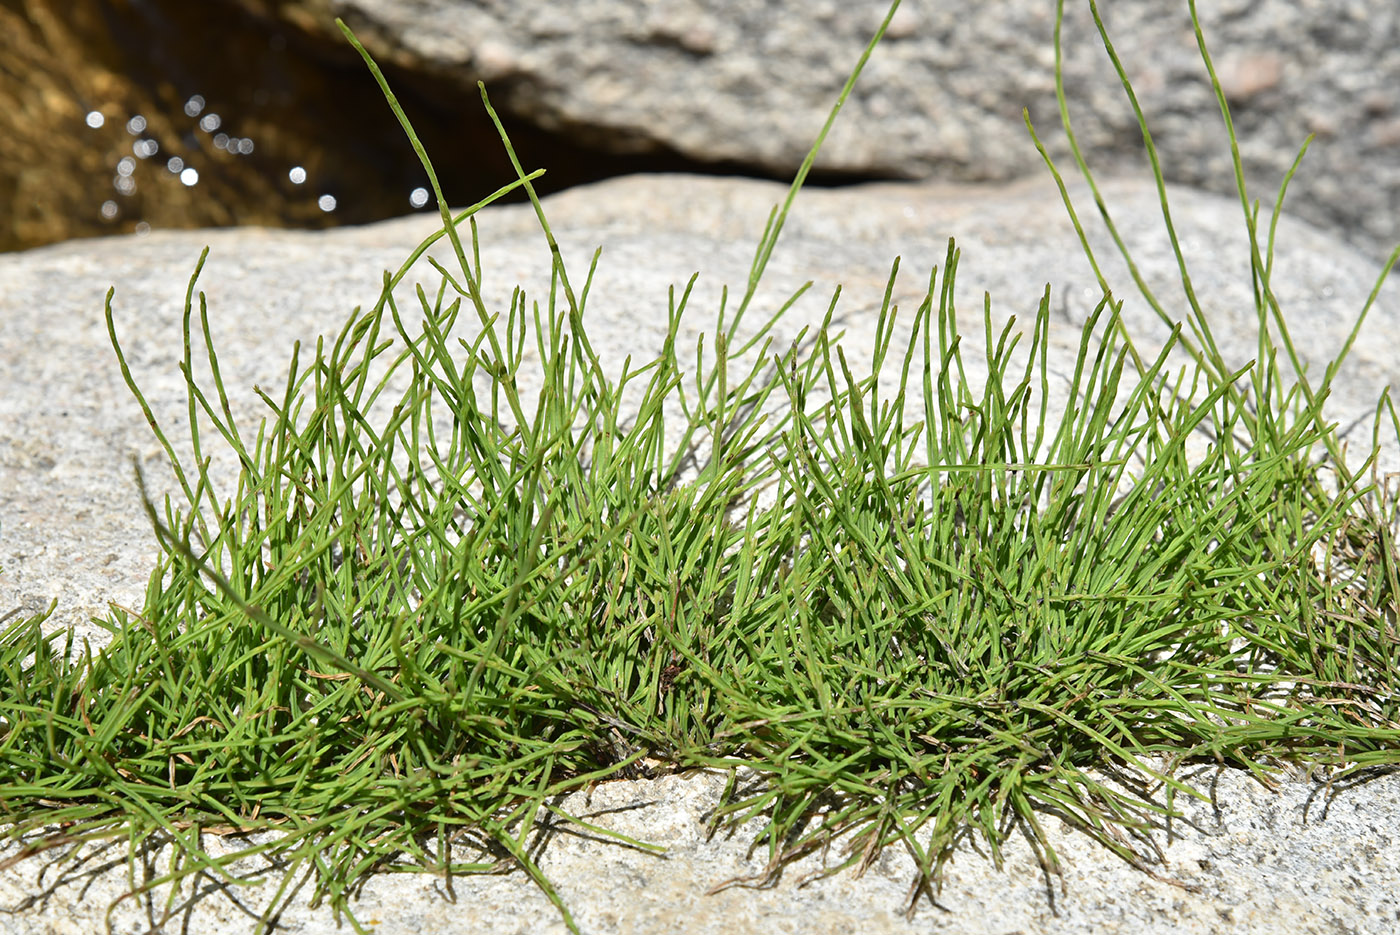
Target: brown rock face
<point x="100" y="126"/>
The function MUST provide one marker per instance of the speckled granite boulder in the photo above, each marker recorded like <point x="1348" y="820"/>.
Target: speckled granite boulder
<point x="942" y="97"/>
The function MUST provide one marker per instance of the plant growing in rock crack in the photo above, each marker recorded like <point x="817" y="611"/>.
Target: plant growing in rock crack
<point x="433" y="603"/>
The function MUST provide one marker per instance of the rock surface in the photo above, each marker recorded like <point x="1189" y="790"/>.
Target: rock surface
<point x="71" y="527"/>
<point x="942" y="98"/>
<point x="1305" y="860"/>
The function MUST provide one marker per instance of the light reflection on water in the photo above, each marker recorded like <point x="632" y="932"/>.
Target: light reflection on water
<point x="183" y="167"/>
<point x="125" y="182"/>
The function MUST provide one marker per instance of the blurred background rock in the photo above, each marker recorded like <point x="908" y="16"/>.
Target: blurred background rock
<point x="119" y="115"/>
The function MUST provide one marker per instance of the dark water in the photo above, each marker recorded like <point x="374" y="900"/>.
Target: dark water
<point x="172" y="113"/>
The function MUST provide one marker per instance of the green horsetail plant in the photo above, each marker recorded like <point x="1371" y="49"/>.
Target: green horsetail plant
<point x="432" y="602"/>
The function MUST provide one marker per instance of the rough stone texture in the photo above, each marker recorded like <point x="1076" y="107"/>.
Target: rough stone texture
<point x="71" y="528"/>
<point x="1307" y="860"/>
<point x="943" y="96"/>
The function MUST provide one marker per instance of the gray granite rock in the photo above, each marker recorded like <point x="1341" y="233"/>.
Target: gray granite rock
<point x="1306" y="860"/>
<point x="942" y="98"/>
<point x="71" y="529"/>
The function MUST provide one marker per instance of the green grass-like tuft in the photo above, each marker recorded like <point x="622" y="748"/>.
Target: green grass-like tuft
<point x="435" y="601"/>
